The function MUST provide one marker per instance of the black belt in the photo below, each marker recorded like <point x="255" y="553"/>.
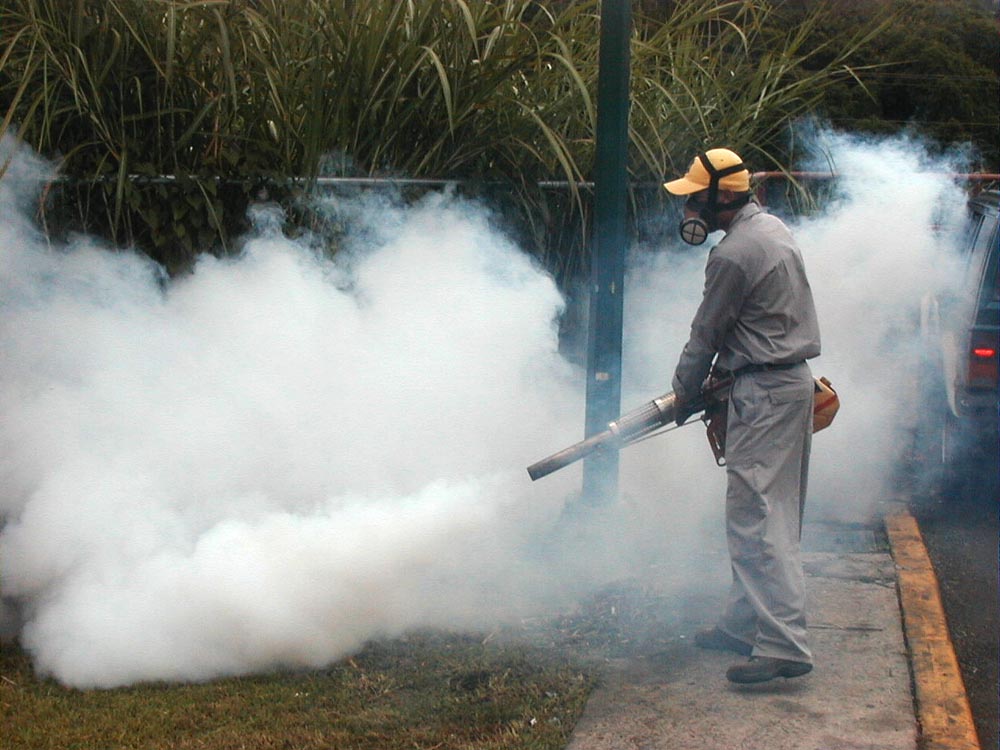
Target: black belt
<point x="764" y="367"/>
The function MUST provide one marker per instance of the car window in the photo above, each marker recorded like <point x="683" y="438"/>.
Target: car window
<point x="988" y="309"/>
<point x="981" y="239"/>
<point x="972" y="230"/>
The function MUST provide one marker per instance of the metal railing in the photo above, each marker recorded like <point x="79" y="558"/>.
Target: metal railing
<point x="979" y="180"/>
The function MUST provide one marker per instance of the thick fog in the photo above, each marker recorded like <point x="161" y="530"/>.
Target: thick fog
<point x="278" y="457"/>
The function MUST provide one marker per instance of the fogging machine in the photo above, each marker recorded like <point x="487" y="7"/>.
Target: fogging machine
<point x="661" y="412"/>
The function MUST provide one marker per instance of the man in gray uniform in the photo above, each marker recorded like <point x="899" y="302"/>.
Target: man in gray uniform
<point x="757" y="321"/>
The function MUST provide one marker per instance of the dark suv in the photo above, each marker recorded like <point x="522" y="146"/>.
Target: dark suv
<point x="957" y="436"/>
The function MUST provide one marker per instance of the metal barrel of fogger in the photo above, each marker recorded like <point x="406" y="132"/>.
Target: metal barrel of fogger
<point x="626" y="428"/>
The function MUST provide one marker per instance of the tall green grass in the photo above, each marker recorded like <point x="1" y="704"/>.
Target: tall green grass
<point x="232" y="96"/>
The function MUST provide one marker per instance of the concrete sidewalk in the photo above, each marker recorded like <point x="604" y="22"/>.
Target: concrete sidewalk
<point x="860" y="694"/>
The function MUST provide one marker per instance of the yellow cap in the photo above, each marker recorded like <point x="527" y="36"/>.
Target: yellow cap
<point x="698" y="178"/>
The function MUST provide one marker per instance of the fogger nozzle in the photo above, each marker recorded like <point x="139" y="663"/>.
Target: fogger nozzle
<point x="624" y="430"/>
<point x="663" y="410"/>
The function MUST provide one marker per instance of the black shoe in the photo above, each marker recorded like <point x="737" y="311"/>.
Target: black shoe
<point x="719" y="640"/>
<point x="764" y="668"/>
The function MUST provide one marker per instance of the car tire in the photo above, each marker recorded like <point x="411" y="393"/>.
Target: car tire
<point x="952" y="457"/>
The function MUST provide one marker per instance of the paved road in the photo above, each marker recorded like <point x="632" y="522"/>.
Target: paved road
<point x="961" y="535"/>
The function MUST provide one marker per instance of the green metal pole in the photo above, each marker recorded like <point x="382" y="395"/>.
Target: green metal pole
<point x="609" y="244"/>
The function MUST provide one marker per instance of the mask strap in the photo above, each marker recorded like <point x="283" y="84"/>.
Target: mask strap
<point x="714" y="176"/>
<point x="738" y="203"/>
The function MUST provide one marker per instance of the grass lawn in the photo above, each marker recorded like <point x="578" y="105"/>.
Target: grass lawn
<point x="427" y="690"/>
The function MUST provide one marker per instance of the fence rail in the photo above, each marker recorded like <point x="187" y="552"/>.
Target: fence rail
<point x="761" y="178"/>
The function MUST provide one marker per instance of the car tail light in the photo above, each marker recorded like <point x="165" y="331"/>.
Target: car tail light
<point x="983" y="371"/>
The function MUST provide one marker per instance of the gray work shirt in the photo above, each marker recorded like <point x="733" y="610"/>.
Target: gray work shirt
<point x="757" y="305"/>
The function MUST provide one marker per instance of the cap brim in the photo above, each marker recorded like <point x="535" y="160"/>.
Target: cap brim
<point x="683" y="186"/>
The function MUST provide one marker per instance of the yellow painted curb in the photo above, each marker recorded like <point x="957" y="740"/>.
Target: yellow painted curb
<point x="942" y="704"/>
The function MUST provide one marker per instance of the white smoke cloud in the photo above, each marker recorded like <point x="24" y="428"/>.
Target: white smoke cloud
<point x="885" y="242"/>
<point x="279" y="457"/>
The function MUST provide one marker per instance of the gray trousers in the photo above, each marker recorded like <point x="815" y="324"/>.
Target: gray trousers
<point x="769" y="436"/>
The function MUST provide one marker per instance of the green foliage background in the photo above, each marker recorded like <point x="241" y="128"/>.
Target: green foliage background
<point x="237" y="99"/>
<point x="934" y="70"/>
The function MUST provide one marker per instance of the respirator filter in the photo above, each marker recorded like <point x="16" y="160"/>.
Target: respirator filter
<point x="694" y="231"/>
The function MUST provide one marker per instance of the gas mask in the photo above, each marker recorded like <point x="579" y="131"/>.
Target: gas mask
<point x="695" y="230"/>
